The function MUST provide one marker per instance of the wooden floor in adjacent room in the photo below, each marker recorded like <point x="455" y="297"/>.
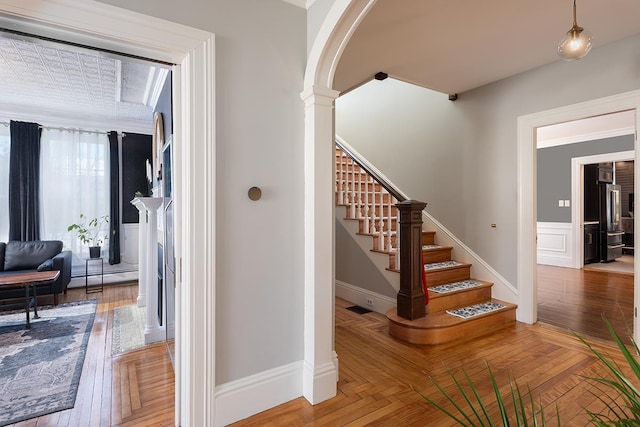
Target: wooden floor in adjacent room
<point x="576" y="300"/>
<point x="382" y="380"/>
<point x="131" y="389"/>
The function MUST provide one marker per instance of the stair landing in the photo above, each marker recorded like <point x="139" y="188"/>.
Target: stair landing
<point x="441" y="327"/>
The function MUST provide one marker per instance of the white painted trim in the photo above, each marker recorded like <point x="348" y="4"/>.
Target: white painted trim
<point x="527" y="191"/>
<point x="105" y="26"/>
<point x="577" y="192"/>
<point x="300" y="3"/>
<point x="584" y="137"/>
<point x="240" y="399"/>
<point x="555" y="244"/>
<point x="359" y="296"/>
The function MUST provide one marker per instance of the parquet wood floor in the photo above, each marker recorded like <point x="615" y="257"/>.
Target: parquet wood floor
<point x="130" y="389"/>
<point x="382" y="380"/>
<point x="576" y="300"/>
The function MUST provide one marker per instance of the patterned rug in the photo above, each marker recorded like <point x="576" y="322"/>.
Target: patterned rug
<point x="443" y="264"/>
<point x="476" y="310"/>
<point x="40" y="367"/>
<point x="128" y="328"/>
<point x="456" y="286"/>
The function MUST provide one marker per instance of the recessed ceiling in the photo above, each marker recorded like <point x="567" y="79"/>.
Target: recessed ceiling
<point x="79" y="85"/>
<point x="454" y="46"/>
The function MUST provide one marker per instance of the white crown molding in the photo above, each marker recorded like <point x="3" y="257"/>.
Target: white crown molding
<point x="300" y="3"/>
<point x="584" y="137"/>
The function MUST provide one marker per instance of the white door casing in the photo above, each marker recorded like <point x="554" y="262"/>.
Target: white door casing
<point x="526" y="158"/>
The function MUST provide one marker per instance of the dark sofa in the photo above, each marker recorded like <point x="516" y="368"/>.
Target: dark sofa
<point x="32" y="256"/>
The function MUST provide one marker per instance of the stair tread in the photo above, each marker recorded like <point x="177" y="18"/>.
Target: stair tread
<point x="442" y="319"/>
<point x="445" y="265"/>
<point x="426" y="248"/>
<point x="459" y="286"/>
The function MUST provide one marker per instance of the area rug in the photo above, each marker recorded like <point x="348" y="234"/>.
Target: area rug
<point x="476" y="310"/>
<point x="456" y="286"/>
<point x="128" y="328"/>
<point x="40" y="367"/>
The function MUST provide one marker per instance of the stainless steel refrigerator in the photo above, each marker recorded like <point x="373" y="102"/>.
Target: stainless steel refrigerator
<point x="610" y="222"/>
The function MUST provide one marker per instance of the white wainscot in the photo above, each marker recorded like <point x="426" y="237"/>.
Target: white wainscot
<point x="555" y="244"/>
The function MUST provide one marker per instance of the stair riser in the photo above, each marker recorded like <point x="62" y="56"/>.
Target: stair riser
<point x="428" y="237"/>
<point x="440" y="277"/>
<point x="471" y="328"/>
<point x="436" y="255"/>
<point x="441" y="302"/>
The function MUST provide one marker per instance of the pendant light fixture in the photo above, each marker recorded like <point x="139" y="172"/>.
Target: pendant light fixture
<point x="577" y="43"/>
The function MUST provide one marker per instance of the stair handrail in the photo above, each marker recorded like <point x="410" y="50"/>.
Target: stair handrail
<point x="374" y="174"/>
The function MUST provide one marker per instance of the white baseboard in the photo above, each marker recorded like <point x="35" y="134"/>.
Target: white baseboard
<point x="359" y="296"/>
<point x="155" y="335"/>
<point x="555" y="244"/>
<point x="243" y="398"/>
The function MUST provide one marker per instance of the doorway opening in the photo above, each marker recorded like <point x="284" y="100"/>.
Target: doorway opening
<point x="528" y="128"/>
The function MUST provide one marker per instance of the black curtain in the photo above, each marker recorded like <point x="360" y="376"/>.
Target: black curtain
<point x="24" y="181"/>
<point x="114" y="210"/>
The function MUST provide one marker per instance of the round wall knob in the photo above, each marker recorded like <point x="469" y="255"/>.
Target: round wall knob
<point x="255" y="193"/>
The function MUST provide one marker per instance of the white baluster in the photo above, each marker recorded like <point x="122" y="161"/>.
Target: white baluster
<point x="389" y="224"/>
<point x="381" y="232"/>
<point x="366" y="204"/>
<point x="340" y="181"/>
<point x="397" y="247"/>
<point x="374" y="226"/>
<point x="350" y="189"/>
<point x="359" y="194"/>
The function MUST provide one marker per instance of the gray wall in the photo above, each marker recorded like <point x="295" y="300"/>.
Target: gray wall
<point x="354" y="267"/>
<point x="554" y="173"/>
<point x="260" y="62"/>
<point x="460" y="157"/>
<point x="315" y="17"/>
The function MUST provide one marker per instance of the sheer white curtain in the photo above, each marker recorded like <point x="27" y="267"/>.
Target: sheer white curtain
<point x="5" y="145"/>
<point x="74" y="180"/>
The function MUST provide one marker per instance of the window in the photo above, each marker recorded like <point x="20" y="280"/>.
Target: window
<point x="74" y="180"/>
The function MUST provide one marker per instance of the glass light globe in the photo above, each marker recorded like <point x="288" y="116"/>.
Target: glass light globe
<point x="575" y="45"/>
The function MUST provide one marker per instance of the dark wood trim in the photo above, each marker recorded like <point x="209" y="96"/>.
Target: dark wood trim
<point x="411" y="301"/>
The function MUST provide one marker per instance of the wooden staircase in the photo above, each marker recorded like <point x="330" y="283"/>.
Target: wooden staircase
<point x="449" y="282"/>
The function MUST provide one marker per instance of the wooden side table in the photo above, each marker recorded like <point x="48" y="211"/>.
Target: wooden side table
<point x="87" y="261"/>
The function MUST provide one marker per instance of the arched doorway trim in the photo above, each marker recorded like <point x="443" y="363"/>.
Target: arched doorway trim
<point x="320" y="368"/>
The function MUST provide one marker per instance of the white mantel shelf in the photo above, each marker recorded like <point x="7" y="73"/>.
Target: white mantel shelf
<point x="148" y="265"/>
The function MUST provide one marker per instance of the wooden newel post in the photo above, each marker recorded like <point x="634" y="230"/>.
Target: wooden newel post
<point x="411" y="303"/>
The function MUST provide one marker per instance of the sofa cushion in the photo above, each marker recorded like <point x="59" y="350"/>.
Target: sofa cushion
<point x="2" y="247"/>
<point x="29" y="255"/>
<point x="46" y="265"/>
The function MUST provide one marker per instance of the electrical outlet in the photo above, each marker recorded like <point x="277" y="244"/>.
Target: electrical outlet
<point x="369" y="301"/>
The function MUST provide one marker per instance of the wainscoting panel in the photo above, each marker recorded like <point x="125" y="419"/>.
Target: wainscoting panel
<point x="555" y="244"/>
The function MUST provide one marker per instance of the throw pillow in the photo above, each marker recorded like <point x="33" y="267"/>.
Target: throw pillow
<point x="46" y="266"/>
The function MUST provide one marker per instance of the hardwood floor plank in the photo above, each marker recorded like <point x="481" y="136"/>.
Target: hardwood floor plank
<point x="381" y="380"/>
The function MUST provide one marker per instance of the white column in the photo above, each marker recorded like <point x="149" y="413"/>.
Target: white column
<point x="142" y="252"/>
<point x="320" y="368"/>
<point x="153" y="332"/>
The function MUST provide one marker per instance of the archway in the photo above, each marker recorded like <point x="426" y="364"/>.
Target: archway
<point x="320" y="371"/>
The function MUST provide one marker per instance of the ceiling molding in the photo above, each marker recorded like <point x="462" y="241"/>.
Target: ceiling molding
<point x="300" y="3"/>
<point x="591" y="136"/>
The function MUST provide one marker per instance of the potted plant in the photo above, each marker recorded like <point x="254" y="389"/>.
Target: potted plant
<point x="90" y="233"/>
